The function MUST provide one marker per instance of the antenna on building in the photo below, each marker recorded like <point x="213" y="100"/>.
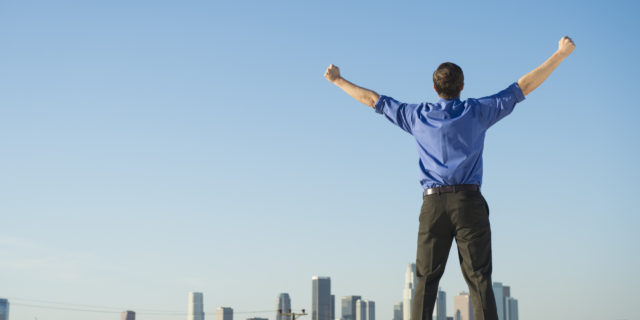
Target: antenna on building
<point x="293" y="315"/>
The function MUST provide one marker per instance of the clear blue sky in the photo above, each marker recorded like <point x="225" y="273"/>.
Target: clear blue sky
<point x="152" y="148"/>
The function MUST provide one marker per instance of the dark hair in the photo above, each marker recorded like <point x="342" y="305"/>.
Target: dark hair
<point x="448" y="80"/>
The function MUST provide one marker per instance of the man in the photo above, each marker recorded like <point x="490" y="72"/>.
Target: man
<point x="450" y="136"/>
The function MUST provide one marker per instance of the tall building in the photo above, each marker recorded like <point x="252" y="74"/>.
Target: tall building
<point x="349" y="307"/>
<point x="128" y="315"/>
<point x="371" y="310"/>
<point x="4" y="309"/>
<point x="397" y="311"/>
<point x="511" y="310"/>
<point x="440" y="310"/>
<point x="507" y="306"/>
<point x="364" y="309"/>
<point x="224" y="313"/>
<point x="322" y="301"/>
<point x="462" y="309"/>
<point x="498" y="292"/>
<point x="196" y="307"/>
<point x="283" y="306"/>
<point x="332" y="300"/>
<point x="361" y="310"/>
<point x="407" y="294"/>
<point x="506" y="293"/>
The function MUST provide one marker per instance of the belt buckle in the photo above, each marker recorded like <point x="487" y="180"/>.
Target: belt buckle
<point x="430" y="191"/>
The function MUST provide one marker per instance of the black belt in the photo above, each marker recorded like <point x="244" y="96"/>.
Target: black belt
<point x="453" y="188"/>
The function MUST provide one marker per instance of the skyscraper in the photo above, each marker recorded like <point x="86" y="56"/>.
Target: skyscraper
<point x="507" y="306"/>
<point x="407" y="294"/>
<point x="128" y="315"/>
<point x="332" y="301"/>
<point x="364" y="309"/>
<point x="349" y="307"/>
<point x="506" y="293"/>
<point x="511" y="310"/>
<point x="371" y="310"/>
<point x="498" y="292"/>
<point x="284" y="306"/>
<point x="196" y="307"/>
<point x="322" y="306"/>
<point x="462" y="309"/>
<point x="440" y="310"/>
<point x="397" y="311"/>
<point x="224" y="313"/>
<point x="361" y="310"/>
<point x="4" y="309"/>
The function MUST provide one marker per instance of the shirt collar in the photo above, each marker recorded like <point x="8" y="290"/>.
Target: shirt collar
<point x="443" y="100"/>
<point x="446" y="102"/>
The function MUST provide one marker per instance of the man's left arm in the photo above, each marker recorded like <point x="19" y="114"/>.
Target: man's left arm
<point x="366" y="96"/>
<point x="533" y="79"/>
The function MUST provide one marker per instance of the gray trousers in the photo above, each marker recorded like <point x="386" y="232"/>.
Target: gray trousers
<point x="463" y="216"/>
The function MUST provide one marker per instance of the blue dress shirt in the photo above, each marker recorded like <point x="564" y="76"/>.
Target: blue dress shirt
<point x="450" y="133"/>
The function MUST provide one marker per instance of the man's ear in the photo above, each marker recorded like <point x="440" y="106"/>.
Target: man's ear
<point x="462" y="87"/>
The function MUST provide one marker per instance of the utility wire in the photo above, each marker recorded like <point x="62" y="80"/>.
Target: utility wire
<point x="61" y="308"/>
<point x="104" y="309"/>
<point x="86" y="305"/>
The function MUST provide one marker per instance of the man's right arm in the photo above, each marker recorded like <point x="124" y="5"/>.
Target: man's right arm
<point x="366" y="96"/>
<point x="533" y="79"/>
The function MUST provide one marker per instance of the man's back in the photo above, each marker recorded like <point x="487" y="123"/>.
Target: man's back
<point x="450" y="133"/>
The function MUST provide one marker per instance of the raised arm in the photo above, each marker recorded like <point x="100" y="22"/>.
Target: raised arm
<point x="363" y="95"/>
<point x="533" y="79"/>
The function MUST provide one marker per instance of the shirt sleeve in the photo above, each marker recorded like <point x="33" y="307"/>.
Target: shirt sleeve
<point x="493" y="108"/>
<point x="401" y="114"/>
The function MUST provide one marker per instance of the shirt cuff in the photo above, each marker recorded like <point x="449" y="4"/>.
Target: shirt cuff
<point x="517" y="92"/>
<point x="380" y="104"/>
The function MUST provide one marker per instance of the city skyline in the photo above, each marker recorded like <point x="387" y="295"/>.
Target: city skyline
<point x="353" y="307"/>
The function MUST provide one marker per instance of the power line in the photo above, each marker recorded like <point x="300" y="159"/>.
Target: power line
<point x="263" y="311"/>
<point x="63" y="303"/>
<point x="44" y="304"/>
<point x="87" y="306"/>
<point x="61" y="308"/>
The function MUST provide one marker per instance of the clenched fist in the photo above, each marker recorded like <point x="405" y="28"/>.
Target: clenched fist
<point x="333" y="73"/>
<point x="566" y="46"/>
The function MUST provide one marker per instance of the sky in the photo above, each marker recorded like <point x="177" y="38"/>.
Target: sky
<point x="153" y="148"/>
